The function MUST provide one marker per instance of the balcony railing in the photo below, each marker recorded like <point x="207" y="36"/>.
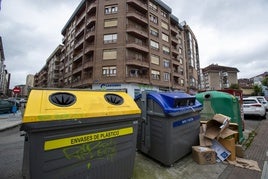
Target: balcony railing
<point x="138" y="4"/>
<point x="140" y="46"/>
<point x="137" y="30"/>
<point x="89" y="48"/>
<point x="137" y="61"/>
<point x="91" y="7"/>
<point x="137" y="17"/>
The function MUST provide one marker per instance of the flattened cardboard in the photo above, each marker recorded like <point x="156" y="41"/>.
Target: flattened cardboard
<point x="216" y="125"/>
<point x="245" y="163"/>
<point x="203" y="155"/>
<point x="229" y="144"/>
<point x="239" y="151"/>
<point x="222" y="153"/>
<point x="203" y="141"/>
<point x="227" y="133"/>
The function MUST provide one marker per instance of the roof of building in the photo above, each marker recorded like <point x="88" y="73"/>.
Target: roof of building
<point x="216" y="67"/>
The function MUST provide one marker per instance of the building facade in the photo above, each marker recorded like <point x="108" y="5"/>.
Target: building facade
<point x="216" y="77"/>
<point x="131" y="45"/>
<point x="4" y="75"/>
<point x="53" y="63"/>
<point x="193" y="72"/>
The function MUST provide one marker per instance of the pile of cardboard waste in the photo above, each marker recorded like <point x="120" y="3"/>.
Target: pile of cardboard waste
<point x="218" y="140"/>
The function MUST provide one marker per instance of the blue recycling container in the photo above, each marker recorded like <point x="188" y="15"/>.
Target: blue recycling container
<point x="169" y="125"/>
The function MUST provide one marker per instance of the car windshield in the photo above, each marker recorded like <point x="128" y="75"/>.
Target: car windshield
<point x="249" y="101"/>
<point x="261" y="100"/>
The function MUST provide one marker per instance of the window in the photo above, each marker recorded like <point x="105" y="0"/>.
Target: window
<point x="164" y="14"/>
<point x="111" y="9"/>
<point x="155" y="59"/>
<point x="182" y="82"/>
<point x="153" y="19"/>
<point x="164" y="25"/>
<point x="180" y="41"/>
<point x="154" y="45"/>
<point x="165" y="50"/>
<point x="154" y="31"/>
<point x="166" y="63"/>
<point x="152" y="6"/>
<point x="109" y="71"/>
<point x="180" y="60"/>
<point x="110" y="22"/>
<point x="109" y="54"/>
<point x="165" y="37"/>
<point x="166" y="76"/>
<point x="180" y="50"/>
<point x="155" y="74"/>
<point x="110" y="38"/>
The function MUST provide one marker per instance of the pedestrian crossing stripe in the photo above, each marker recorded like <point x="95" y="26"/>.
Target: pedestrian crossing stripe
<point x="81" y="139"/>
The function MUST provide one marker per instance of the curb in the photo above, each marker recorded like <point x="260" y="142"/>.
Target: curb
<point x="10" y="126"/>
<point x="264" y="174"/>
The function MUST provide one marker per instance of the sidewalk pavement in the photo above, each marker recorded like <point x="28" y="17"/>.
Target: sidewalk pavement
<point x="257" y="151"/>
<point x="8" y="121"/>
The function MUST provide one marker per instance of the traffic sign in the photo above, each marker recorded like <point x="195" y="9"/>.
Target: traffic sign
<point x="16" y="90"/>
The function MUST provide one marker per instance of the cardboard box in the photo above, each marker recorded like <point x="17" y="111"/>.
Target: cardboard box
<point x="229" y="144"/>
<point x="222" y="153"/>
<point x="203" y="155"/>
<point x="203" y="141"/>
<point x="239" y="151"/>
<point x="216" y="126"/>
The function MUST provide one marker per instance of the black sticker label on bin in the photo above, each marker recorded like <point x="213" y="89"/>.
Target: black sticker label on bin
<point x="185" y="121"/>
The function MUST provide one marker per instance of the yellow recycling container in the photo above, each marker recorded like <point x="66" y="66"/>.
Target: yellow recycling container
<point x="71" y="133"/>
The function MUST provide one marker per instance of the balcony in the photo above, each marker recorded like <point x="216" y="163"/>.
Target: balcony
<point x="89" y="48"/>
<point x="137" y="17"/>
<point x="91" y="20"/>
<point x="80" y="18"/>
<point x="138" y="46"/>
<point x="137" y="4"/>
<point x="92" y="7"/>
<point x="76" y="83"/>
<point x="175" y="51"/>
<point x="78" y="43"/>
<point x="78" y="55"/>
<point x="138" y="79"/>
<point x="88" y="64"/>
<point x="79" y="31"/>
<point x="174" y="40"/>
<point x="77" y="70"/>
<point x="174" y="30"/>
<point x="137" y="31"/>
<point x="144" y="62"/>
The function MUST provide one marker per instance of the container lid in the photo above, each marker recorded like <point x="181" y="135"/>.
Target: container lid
<point x="63" y="104"/>
<point x="175" y="103"/>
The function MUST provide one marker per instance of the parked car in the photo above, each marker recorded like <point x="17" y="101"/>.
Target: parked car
<point x="5" y="106"/>
<point x="13" y="101"/>
<point x="262" y="100"/>
<point x="252" y="106"/>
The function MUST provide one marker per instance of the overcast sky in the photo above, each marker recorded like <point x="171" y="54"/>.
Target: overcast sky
<point x="229" y="32"/>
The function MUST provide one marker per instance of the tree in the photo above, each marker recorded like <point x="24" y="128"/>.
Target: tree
<point x="265" y="81"/>
<point x="257" y="90"/>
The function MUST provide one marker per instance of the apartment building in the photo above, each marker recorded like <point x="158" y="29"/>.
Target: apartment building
<point x="131" y="45"/>
<point x="53" y="63"/>
<point x="216" y="77"/>
<point x="4" y="75"/>
<point x="193" y="73"/>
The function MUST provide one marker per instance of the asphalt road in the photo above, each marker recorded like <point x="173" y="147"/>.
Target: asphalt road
<point x="11" y="150"/>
